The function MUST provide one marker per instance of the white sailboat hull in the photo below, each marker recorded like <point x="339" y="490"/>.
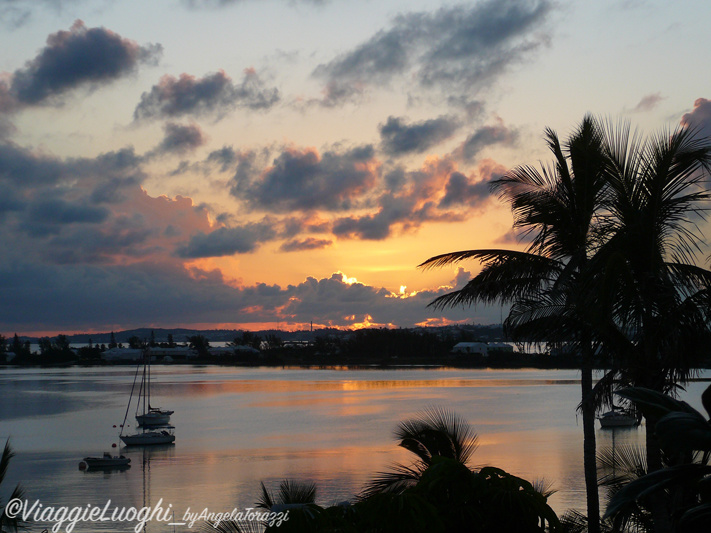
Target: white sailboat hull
<point x="148" y="438"/>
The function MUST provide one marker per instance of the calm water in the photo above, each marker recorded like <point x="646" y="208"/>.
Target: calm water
<point x="236" y="427"/>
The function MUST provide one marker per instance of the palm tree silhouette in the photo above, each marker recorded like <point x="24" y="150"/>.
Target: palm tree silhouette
<point x="7" y="523"/>
<point x="558" y="207"/>
<point x="435" y="432"/>
<point x="655" y="298"/>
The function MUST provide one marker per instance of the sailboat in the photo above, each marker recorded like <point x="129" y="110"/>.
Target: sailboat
<point x="153" y="416"/>
<point x="157" y="435"/>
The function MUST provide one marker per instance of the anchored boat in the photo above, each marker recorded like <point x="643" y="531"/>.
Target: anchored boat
<point x="153" y="420"/>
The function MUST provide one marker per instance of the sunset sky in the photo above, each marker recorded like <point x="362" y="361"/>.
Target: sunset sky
<point x="271" y="163"/>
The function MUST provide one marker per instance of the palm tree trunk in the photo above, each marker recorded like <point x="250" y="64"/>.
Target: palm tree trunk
<point x="651" y="379"/>
<point x="658" y="503"/>
<point x="589" y="444"/>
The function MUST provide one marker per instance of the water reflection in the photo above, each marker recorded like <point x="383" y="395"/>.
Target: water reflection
<point x="237" y="427"/>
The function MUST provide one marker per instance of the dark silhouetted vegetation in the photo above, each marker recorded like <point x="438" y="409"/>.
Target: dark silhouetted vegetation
<point x="611" y="266"/>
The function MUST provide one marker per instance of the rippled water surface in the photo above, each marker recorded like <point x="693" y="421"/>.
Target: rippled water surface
<point x="236" y="427"/>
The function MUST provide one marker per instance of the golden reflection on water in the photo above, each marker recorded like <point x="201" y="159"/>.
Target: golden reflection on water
<point x="209" y="388"/>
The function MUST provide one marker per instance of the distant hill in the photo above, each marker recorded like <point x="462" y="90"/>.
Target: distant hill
<point x="491" y="332"/>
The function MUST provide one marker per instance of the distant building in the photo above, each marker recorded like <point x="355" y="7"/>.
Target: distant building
<point x="245" y="350"/>
<point x="499" y="347"/>
<point x="177" y="352"/>
<point x="482" y="348"/>
<point x="221" y="351"/>
<point x="122" y="354"/>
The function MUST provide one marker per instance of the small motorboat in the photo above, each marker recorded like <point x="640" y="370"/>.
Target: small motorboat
<point x="105" y="461"/>
<point x="618" y="418"/>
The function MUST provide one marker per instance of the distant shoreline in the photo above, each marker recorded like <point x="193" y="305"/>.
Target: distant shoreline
<point x="333" y="365"/>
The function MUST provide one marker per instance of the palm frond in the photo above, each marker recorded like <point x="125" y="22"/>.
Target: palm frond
<point x="396" y="480"/>
<point x="7" y="455"/>
<point x="266" y="499"/>
<point x="437" y="432"/>
<point x="231" y="526"/>
<point x="291" y="491"/>
<point x="505" y="276"/>
<point x="621" y="464"/>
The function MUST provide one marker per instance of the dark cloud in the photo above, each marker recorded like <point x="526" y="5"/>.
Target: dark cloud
<point x="385" y="54"/>
<point x="399" y="138"/>
<point x="212" y="4"/>
<point x="10" y="202"/>
<point x="393" y="209"/>
<point x="648" y="103"/>
<point x="337" y="93"/>
<point x="403" y="212"/>
<point x="309" y="243"/>
<point x="225" y="158"/>
<point x="104" y="177"/>
<point x="46" y="216"/>
<point x="100" y="244"/>
<point x="292" y="226"/>
<point x="179" y="138"/>
<point x="227" y="241"/>
<point x="213" y="94"/>
<point x="23" y="168"/>
<point x="459" y="49"/>
<point x="303" y="180"/>
<point x="64" y="208"/>
<point x="460" y="190"/>
<point x="486" y="136"/>
<point x="110" y="174"/>
<point x="700" y="117"/>
<point x="79" y="57"/>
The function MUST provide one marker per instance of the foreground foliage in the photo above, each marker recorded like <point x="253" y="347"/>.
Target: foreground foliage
<point x="8" y="524"/>
<point x="684" y="486"/>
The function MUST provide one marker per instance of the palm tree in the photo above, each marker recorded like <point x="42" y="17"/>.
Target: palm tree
<point x="440" y="492"/>
<point x="295" y="499"/>
<point x="685" y="435"/>
<point x="435" y="432"/>
<point x="559" y="208"/>
<point x="290" y="493"/>
<point x="656" y="298"/>
<point x="8" y="524"/>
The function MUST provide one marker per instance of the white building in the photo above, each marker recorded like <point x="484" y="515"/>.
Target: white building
<point x="482" y="348"/>
<point x="177" y="352"/>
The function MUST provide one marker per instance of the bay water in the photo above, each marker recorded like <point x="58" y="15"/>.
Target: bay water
<point x="237" y="427"/>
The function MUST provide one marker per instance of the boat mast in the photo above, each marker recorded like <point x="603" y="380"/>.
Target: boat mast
<point x="143" y="384"/>
<point x="148" y="383"/>
<point x="135" y="377"/>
